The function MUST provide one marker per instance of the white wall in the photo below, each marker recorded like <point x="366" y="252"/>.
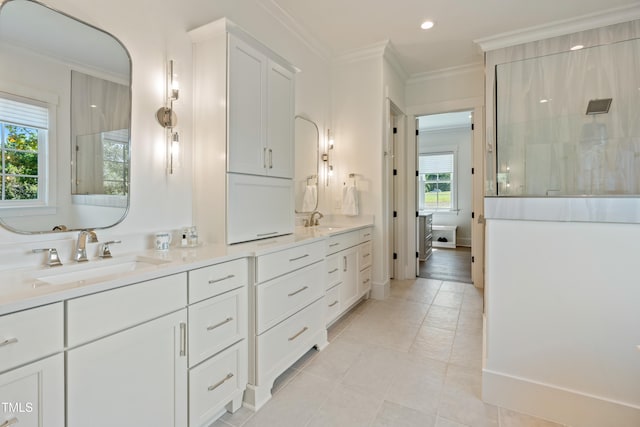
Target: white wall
<point x="562" y="321"/>
<point x="154" y="33"/>
<point x="459" y="141"/>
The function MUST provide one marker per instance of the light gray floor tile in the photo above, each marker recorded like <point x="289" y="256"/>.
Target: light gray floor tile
<point x="467" y="350"/>
<point x="373" y="371"/>
<point x="454" y="287"/>
<point x="514" y="419"/>
<point x="443" y="422"/>
<point x="433" y="342"/>
<point x="448" y="299"/>
<point x="334" y="361"/>
<point x="442" y="317"/>
<point x="346" y="407"/>
<point x="418" y="385"/>
<point x="394" y="415"/>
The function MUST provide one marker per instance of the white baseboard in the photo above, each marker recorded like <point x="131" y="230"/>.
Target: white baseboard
<point x="555" y="404"/>
<point x="381" y="290"/>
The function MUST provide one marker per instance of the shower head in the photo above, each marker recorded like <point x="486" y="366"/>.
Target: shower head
<point x="598" y="106"/>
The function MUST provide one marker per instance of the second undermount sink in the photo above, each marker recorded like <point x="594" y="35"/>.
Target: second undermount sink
<point x="96" y="270"/>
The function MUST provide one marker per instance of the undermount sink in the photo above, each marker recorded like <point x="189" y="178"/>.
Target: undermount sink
<point x="94" y="270"/>
<point x="330" y="227"/>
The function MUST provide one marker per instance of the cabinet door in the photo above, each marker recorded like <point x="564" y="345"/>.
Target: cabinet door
<point x="280" y="124"/>
<point x="33" y="395"/>
<point x="137" y="377"/>
<point x="258" y="207"/>
<point x="246" y="104"/>
<point x="349" y="288"/>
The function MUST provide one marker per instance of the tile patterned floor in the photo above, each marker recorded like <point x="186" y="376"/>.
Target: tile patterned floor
<point x="413" y="359"/>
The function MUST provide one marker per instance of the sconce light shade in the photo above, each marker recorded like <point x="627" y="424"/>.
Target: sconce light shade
<point x="169" y="120"/>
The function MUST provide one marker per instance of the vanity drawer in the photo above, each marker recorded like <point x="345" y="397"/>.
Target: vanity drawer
<point x="100" y="314"/>
<point x="366" y="234"/>
<point x="31" y="334"/>
<point x="278" y="263"/>
<point x="364" y="255"/>
<point x="338" y="242"/>
<point x="334" y="269"/>
<point x="281" y="346"/>
<point x="364" y="281"/>
<point x="215" y="382"/>
<point x="215" y="279"/>
<point x="37" y="389"/>
<point x="332" y="302"/>
<point x="216" y="323"/>
<point x="279" y="298"/>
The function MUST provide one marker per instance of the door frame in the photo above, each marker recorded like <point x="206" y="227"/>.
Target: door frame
<point x="478" y="163"/>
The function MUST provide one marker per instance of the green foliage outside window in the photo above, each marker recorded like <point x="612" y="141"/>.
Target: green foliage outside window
<point x="19" y="163"/>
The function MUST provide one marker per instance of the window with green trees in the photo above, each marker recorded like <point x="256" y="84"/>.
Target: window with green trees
<point x="437" y="176"/>
<point x="23" y="134"/>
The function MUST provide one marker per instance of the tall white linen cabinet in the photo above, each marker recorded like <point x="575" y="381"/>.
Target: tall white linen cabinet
<point x="244" y="107"/>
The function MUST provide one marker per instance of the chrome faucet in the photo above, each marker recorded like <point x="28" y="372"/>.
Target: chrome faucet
<point x="85" y="236"/>
<point x="313" y="220"/>
<point x="53" y="259"/>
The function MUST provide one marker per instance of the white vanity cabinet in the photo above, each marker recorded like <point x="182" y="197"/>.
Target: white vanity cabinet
<point x="32" y="367"/>
<point x="217" y="340"/>
<point x="348" y="271"/>
<point x="126" y="362"/>
<point x="287" y="314"/>
<point x="243" y="132"/>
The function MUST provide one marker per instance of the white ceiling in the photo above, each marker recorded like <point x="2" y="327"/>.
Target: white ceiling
<point x="343" y="26"/>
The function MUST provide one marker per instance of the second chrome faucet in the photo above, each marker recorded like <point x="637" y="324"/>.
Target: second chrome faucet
<point x="85" y="236"/>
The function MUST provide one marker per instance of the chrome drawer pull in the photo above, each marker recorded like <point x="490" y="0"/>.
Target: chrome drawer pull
<point x="367" y="235"/>
<point x="7" y="342"/>
<point x="366" y="255"/>
<point x="366" y="281"/>
<point x="333" y="244"/>
<point x="299" y="258"/>
<point x="302" y="331"/>
<point x="333" y="303"/>
<point x="10" y="422"/>
<point x="267" y="234"/>
<point x="217" y="325"/>
<point x="222" y="381"/>
<point x="183" y="339"/>
<point x="231" y="276"/>
<point x="298" y="291"/>
<point x="334" y="270"/>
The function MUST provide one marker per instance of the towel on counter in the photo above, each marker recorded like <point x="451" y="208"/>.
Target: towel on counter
<point x="350" y="200"/>
<point x="309" y="198"/>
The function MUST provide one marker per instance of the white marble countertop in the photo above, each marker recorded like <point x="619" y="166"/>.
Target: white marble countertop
<point x="25" y="288"/>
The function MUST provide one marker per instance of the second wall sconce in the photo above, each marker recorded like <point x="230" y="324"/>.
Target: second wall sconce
<point x="326" y="158"/>
<point x="169" y="120"/>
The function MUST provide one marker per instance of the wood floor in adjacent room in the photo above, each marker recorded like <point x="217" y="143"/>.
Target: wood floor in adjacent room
<point x="448" y="264"/>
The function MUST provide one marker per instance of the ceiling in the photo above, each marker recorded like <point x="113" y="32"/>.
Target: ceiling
<point x="341" y="26"/>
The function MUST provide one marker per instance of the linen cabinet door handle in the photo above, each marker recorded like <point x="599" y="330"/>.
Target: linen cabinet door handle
<point x="219" y="383"/>
<point x="298" y="258"/>
<point x="344" y="263"/>
<point x="302" y="331"/>
<point x="264" y="157"/>
<point x="333" y="303"/>
<point x="10" y="422"/>
<point x="298" y="291"/>
<point x="7" y="342"/>
<point x="217" y="325"/>
<point x="270" y="158"/>
<point x="183" y="339"/>
<point x="230" y="276"/>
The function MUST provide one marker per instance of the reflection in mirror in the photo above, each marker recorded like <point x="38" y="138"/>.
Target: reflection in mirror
<point x="307" y="140"/>
<point x="65" y="119"/>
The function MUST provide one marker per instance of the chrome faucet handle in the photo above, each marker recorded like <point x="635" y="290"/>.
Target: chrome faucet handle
<point x="53" y="259"/>
<point x="105" y="250"/>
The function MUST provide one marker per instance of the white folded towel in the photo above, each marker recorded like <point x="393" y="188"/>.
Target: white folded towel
<point x="350" y="200"/>
<point x="309" y="199"/>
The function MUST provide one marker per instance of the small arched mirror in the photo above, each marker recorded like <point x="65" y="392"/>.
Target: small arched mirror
<point x="307" y="140"/>
<point x="65" y="120"/>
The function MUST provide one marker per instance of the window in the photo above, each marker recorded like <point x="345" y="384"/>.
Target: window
<point x="115" y="152"/>
<point x="23" y="145"/>
<point x="437" y="177"/>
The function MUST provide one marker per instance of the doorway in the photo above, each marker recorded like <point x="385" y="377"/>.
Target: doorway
<point x="444" y="187"/>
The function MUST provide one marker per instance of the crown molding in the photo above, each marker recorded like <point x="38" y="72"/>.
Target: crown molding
<point x="376" y="50"/>
<point x="391" y="55"/>
<point x="295" y="28"/>
<point x="560" y="28"/>
<point x="477" y="67"/>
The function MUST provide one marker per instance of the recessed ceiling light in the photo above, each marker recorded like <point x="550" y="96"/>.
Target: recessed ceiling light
<point x="427" y="24"/>
<point x="577" y="47"/>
